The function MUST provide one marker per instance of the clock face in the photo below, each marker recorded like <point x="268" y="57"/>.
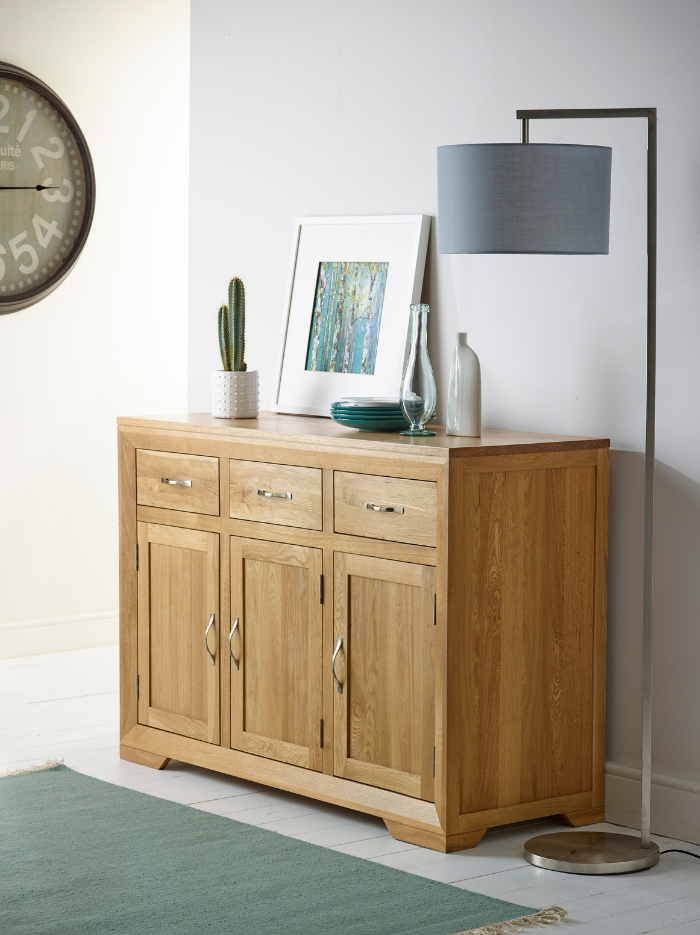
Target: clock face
<point x="46" y="189"/>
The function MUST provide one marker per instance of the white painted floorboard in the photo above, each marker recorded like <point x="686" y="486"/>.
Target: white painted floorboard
<point x="66" y="706"/>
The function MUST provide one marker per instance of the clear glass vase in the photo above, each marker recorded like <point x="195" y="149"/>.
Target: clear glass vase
<point x="418" y="393"/>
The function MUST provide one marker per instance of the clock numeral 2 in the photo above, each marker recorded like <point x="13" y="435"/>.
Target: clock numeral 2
<point x="4" y="107"/>
<point x="39" y="151"/>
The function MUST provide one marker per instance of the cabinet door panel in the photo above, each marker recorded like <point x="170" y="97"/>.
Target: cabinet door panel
<point x="276" y="691"/>
<point x="178" y="593"/>
<point x="385" y="716"/>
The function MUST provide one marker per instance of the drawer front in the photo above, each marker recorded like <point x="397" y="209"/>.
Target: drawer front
<point x="276" y="493"/>
<point x="385" y="508"/>
<point x="177" y="482"/>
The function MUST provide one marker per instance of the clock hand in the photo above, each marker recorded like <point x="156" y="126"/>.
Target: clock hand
<point x="27" y="188"/>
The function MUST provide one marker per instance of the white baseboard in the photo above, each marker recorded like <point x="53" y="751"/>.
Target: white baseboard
<point x="675" y="803"/>
<point x="32" y="637"/>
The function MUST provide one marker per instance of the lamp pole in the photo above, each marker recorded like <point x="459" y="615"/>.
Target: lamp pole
<point x="649" y="114"/>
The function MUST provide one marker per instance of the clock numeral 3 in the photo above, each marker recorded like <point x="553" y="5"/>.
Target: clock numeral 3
<point x="57" y="195"/>
<point x="4" y="107"/>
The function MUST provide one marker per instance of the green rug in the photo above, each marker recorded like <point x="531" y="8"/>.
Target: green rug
<point x="79" y="856"/>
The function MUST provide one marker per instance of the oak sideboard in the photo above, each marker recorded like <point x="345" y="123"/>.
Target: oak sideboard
<point x="410" y="627"/>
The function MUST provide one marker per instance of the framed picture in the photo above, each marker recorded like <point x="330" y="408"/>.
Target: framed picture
<point x="352" y="282"/>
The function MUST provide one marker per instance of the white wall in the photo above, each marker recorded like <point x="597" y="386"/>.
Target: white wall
<point x="327" y="107"/>
<point x="113" y="338"/>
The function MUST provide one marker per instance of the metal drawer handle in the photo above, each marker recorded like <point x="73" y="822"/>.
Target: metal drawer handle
<point x="206" y="639"/>
<point x="383" y="509"/>
<point x="338" y="647"/>
<point x="279" y="496"/>
<point x="230" y="637"/>
<point x="176" y="483"/>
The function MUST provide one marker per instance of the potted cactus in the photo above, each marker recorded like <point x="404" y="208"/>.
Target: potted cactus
<point x="234" y="390"/>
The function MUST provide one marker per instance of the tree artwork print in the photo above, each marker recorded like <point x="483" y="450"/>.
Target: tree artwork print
<point x="346" y="317"/>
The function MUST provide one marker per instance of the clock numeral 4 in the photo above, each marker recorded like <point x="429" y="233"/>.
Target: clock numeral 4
<point x="18" y="250"/>
<point x="45" y="231"/>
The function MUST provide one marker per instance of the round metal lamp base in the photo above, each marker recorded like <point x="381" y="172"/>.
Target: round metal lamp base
<point x="590" y="852"/>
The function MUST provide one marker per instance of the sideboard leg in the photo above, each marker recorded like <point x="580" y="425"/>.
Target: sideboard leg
<point x="142" y="757"/>
<point x="589" y="816"/>
<point x="436" y="840"/>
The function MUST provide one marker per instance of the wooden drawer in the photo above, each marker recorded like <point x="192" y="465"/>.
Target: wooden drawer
<point x="407" y="514"/>
<point x="157" y="471"/>
<point x="283" y="494"/>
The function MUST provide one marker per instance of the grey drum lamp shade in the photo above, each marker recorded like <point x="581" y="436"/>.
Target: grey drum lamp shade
<point x="523" y="198"/>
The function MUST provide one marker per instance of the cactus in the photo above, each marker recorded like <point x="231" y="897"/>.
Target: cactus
<point x="232" y="327"/>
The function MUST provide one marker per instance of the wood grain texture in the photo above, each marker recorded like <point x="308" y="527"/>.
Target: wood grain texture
<point x="328" y="687"/>
<point x="314" y="453"/>
<point x="128" y="585"/>
<point x="304" y="509"/>
<point x="276" y="693"/>
<point x="399" y="551"/>
<point x="524" y="811"/>
<point x="368" y="799"/>
<point x="384" y="717"/>
<point x="178" y="591"/>
<point x="418" y="499"/>
<point x="203" y="473"/>
<point x="522" y="616"/>
<point x="517" y="654"/>
<point x="142" y="757"/>
<point x="587" y="816"/>
<point x="318" y="432"/>
<point x="436" y="841"/>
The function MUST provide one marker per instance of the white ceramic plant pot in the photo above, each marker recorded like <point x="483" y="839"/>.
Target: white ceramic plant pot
<point x="234" y="394"/>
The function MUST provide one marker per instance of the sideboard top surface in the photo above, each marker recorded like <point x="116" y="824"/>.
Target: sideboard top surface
<point x="308" y="431"/>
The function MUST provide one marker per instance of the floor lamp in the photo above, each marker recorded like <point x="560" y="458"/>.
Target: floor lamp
<point x="555" y="198"/>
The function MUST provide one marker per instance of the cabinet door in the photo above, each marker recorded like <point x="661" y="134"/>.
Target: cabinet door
<point x="178" y="612"/>
<point x="384" y="726"/>
<point x="276" y="697"/>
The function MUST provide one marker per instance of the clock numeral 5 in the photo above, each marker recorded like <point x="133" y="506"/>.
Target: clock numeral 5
<point x="57" y="195"/>
<point x="39" y="151"/>
<point x="3" y="252"/>
<point x="17" y="252"/>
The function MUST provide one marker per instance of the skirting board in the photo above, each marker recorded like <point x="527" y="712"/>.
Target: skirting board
<point x="32" y="637"/>
<point x="675" y="803"/>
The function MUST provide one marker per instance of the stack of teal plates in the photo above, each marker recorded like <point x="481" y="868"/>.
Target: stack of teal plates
<point x="369" y="414"/>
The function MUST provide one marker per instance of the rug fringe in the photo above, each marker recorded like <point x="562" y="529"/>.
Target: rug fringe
<point x="549" y="916"/>
<point x="49" y="764"/>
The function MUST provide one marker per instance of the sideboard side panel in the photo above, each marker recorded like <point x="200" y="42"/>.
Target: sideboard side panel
<point x="522" y="613"/>
<point x="128" y="593"/>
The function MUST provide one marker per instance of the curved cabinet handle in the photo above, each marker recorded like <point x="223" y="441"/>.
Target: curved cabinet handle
<point x="176" y="483"/>
<point x="383" y="509"/>
<point x="206" y="639"/>
<point x="278" y="496"/>
<point x="230" y="637"/>
<point x="338" y="647"/>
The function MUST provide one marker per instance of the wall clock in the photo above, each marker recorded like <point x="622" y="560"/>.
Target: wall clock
<point x="47" y="189"/>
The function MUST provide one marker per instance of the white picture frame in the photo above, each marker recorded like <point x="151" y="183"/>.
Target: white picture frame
<point x="401" y="241"/>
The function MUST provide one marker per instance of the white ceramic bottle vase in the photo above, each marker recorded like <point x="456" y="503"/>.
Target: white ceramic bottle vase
<point x="464" y="396"/>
